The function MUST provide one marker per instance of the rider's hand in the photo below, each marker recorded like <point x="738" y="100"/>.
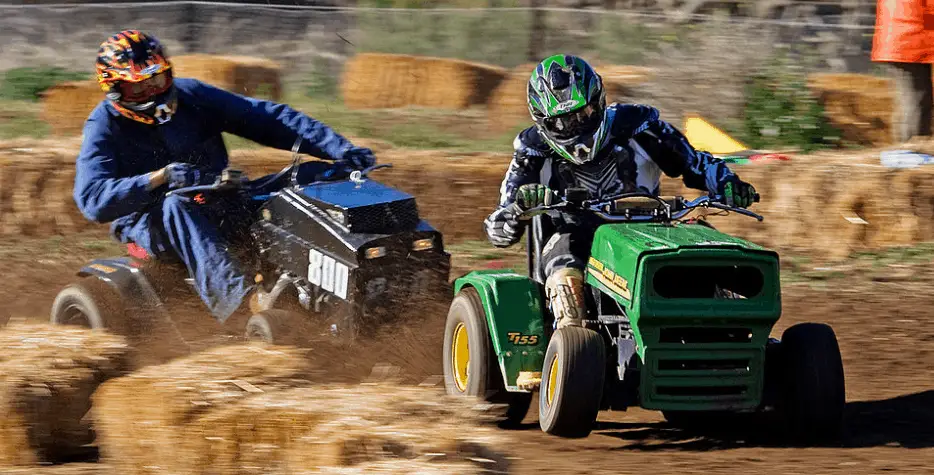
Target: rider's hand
<point x="533" y="195"/>
<point x="738" y="193"/>
<point x="360" y="158"/>
<point x="181" y="175"/>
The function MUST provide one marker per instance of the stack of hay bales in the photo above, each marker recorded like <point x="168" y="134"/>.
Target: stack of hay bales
<point x="245" y="408"/>
<point x="859" y="105"/>
<point x="66" y="106"/>
<point x="384" y="81"/>
<point x="47" y="376"/>
<point x="508" y="108"/>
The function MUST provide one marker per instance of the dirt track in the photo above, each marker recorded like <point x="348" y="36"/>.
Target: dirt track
<point x="880" y="314"/>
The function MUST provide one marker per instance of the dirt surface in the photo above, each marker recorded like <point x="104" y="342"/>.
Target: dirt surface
<point x="879" y="306"/>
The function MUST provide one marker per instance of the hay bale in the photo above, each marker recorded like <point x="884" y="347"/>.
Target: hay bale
<point x="380" y="81"/>
<point x="47" y="376"/>
<point x="331" y="427"/>
<point x="508" y="105"/>
<point x="143" y="418"/>
<point x="859" y="105"/>
<point x="66" y="106"/>
<point x="249" y="76"/>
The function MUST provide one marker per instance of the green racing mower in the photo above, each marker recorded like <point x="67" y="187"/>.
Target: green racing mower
<point x="679" y="320"/>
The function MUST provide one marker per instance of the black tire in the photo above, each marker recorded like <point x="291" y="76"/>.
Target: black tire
<point x="483" y="376"/>
<point x="276" y="327"/>
<point x="89" y="303"/>
<point x="569" y="402"/>
<point x="813" y="392"/>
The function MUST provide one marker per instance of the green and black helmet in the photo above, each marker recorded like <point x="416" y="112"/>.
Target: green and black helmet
<point x="568" y="104"/>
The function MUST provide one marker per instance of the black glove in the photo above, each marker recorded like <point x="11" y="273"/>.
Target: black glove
<point x="359" y="158"/>
<point x="738" y="193"/>
<point x="181" y="175"/>
<point x="533" y="195"/>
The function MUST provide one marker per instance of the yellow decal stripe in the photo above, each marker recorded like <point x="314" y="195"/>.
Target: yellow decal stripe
<point x="613" y="282"/>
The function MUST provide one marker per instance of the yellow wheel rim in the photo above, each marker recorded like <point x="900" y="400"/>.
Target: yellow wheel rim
<point x="552" y="379"/>
<point x="460" y="357"/>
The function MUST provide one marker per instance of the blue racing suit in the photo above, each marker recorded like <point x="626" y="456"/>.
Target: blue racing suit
<point x="639" y="147"/>
<point x="117" y="154"/>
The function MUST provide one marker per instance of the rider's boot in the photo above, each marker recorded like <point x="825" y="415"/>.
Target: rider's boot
<point x="565" y="292"/>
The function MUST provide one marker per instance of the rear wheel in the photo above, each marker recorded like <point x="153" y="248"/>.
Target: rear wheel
<point x="813" y="392"/>
<point x="572" y="382"/>
<point x="89" y="303"/>
<point x="470" y="365"/>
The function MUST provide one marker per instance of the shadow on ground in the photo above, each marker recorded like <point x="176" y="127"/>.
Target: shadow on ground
<point x="904" y="421"/>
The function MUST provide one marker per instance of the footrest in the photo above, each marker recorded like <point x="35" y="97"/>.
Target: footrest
<point x="529" y="380"/>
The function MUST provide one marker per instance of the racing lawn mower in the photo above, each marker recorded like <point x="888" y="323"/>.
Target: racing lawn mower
<point x="679" y="320"/>
<point x="341" y="255"/>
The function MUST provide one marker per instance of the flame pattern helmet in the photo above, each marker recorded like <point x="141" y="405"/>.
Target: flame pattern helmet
<point x="567" y="101"/>
<point x="136" y="75"/>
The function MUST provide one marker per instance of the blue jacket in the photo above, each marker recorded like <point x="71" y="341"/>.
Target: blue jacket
<point x="117" y="153"/>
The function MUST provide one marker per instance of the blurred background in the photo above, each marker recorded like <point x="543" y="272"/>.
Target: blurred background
<point x="750" y="66"/>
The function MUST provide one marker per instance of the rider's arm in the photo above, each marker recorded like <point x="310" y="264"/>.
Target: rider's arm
<point x="670" y="149"/>
<point x="100" y="193"/>
<point x="502" y="228"/>
<point x="268" y="123"/>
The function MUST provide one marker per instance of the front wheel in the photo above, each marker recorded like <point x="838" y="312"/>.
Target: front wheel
<point x="572" y="382"/>
<point x="276" y="327"/>
<point x="813" y="392"/>
<point x="89" y="303"/>
<point x="470" y="365"/>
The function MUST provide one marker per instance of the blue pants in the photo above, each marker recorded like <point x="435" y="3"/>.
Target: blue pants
<point x="199" y="235"/>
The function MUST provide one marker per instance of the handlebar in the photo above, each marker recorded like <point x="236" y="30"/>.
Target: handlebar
<point x="667" y="211"/>
<point x="231" y="179"/>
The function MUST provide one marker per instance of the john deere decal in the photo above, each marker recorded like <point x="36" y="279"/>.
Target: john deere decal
<point x="609" y="279"/>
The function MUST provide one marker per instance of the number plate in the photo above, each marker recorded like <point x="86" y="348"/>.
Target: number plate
<point x="327" y="273"/>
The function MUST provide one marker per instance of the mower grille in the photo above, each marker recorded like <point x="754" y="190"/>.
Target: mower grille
<point x="383" y="218"/>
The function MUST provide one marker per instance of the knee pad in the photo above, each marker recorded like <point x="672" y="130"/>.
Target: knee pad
<point x="565" y="292"/>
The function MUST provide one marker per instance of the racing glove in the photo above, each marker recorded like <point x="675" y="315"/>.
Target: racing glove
<point x="533" y="195"/>
<point x="738" y="193"/>
<point x="181" y="175"/>
<point x="360" y="158"/>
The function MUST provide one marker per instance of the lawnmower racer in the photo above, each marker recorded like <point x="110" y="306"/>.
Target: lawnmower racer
<point x="156" y="132"/>
<point x="578" y="141"/>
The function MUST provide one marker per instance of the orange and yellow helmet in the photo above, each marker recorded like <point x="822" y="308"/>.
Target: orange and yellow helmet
<point x="136" y="75"/>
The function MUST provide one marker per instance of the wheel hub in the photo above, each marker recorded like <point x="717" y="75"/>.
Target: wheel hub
<point x="552" y="379"/>
<point x="460" y="357"/>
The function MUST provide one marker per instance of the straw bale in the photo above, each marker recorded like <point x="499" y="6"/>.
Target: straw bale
<point x="47" y="376"/>
<point x="325" y="427"/>
<point x="246" y="75"/>
<point x="141" y="418"/>
<point x="66" y="106"/>
<point x="859" y="105"/>
<point x="380" y="81"/>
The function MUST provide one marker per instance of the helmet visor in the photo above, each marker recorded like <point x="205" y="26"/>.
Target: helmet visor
<point x="144" y="90"/>
<point x="581" y="122"/>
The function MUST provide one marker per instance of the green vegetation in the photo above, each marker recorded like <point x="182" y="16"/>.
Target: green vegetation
<point x="27" y="84"/>
<point x="21" y="119"/>
<point x="782" y="112"/>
